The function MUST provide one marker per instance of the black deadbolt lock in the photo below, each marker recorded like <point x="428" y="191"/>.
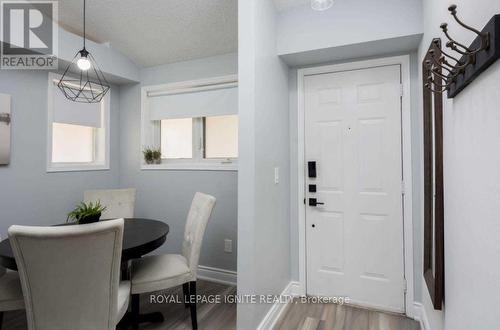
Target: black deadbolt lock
<point x="311" y="169"/>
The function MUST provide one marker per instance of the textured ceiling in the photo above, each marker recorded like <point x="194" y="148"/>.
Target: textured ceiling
<point x="287" y="4"/>
<point x="153" y="32"/>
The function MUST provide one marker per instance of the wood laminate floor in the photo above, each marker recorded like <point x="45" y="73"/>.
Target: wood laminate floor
<point x="211" y="316"/>
<point x="222" y="316"/>
<point x="299" y="316"/>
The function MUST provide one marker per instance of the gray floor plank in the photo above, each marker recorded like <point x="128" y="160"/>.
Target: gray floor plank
<point x="210" y="316"/>
<point x="299" y="316"/>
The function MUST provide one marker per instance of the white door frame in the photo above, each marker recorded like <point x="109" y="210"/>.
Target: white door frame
<point x="404" y="62"/>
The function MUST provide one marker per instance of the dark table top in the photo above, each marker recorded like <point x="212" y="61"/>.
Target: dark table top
<point x="140" y="236"/>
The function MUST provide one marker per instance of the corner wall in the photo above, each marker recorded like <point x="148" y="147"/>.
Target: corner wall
<point x="471" y="183"/>
<point x="263" y="206"/>
<point x="28" y="194"/>
<point x="167" y="194"/>
<point x="302" y="30"/>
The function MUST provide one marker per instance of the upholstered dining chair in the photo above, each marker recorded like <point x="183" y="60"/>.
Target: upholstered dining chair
<point x="119" y="202"/>
<point x="70" y="275"/>
<point x="160" y="272"/>
<point x="11" y="295"/>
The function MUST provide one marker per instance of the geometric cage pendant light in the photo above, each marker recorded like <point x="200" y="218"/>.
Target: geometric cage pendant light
<point x="89" y="85"/>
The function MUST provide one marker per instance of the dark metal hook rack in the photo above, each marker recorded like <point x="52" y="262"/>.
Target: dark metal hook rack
<point x="471" y="61"/>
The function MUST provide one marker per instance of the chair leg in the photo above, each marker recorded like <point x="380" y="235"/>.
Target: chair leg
<point x="1" y="320"/>
<point x="185" y="291"/>
<point x="135" y="311"/>
<point x="192" y="293"/>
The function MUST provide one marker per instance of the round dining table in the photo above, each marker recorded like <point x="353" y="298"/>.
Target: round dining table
<point x="140" y="236"/>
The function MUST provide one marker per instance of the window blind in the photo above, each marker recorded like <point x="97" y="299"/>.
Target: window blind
<point x="213" y="102"/>
<point x="75" y="113"/>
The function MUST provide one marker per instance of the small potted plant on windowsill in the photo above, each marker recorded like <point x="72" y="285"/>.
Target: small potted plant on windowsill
<point x="86" y="212"/>
<point x="152" y="155"/>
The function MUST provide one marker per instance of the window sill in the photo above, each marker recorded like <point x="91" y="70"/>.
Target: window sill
<point x="52" y="168"/>
<point x="190" y="167"/>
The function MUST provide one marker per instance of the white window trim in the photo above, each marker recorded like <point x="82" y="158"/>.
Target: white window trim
<point x="150" y="132"/>
<point x="75" y="167"/>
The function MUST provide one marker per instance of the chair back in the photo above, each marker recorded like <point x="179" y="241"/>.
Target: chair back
<point x="197" y="219"/>
<point x="69" y="274"/>
<point x="119" y="202"/>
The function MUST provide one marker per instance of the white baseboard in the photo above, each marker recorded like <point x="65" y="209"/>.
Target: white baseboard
<point x="217" y="275"/>
<point x="273" y="315"/>
<point x="296" y="289"/>
<point x="421" y="316"/>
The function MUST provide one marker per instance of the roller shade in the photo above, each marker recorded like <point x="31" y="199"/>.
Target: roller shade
<point x="214" y="102"/>
<point x="75" y="113"/>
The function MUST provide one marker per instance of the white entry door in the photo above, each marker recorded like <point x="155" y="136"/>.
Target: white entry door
<point x="354" y="239"/>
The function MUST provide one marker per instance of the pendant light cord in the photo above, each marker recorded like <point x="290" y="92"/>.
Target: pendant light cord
<point x="84" y="2"/>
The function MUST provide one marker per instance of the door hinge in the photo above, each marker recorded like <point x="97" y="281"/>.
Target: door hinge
<point x="405" y="286"/>
<point x="401" y="90"/>
<point x="402" y="187"/>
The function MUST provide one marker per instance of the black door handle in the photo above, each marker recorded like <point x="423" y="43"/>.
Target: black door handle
<point x="314" y="202"/>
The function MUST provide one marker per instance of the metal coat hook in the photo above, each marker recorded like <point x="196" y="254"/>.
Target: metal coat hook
<point x="485" y="37"/>
<point x="444" y="87"/>
<point x="444" y="28"/>
<point x="429" y="87"/>
<point x="454" y="71"/>
<point x="442" y="64"/>
<point x="446" y="55"/>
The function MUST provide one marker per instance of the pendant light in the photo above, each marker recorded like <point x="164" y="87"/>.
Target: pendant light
<point x="89" y="85"/>
<point x="321" y="5"/>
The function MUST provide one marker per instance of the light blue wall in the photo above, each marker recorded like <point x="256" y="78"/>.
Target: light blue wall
<point x="167" y="194"/>
<point x="28" y="194"/>
<point x="263" y="206"/>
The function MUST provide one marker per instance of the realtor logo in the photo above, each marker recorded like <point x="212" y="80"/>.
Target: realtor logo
<point x="28" y="34"/>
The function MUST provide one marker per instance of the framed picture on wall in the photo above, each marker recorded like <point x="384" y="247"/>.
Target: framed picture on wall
<point x="433" y="177"/>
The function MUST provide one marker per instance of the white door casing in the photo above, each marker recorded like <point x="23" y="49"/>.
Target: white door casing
<point x="353" y="132"/>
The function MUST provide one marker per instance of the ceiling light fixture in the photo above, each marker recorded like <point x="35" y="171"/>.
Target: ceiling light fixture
<point x="321" y="5"/>
<point x="91" y="85"/>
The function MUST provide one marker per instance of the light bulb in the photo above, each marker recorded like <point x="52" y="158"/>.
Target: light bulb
<point x="321" y="5"/>
<point x="83" y="63"/>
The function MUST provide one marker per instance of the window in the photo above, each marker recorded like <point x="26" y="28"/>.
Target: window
<point x="72" y="143"/>
<point x="221" y="137"/>
<point x="216" y="137"/>
<point x="194" y="124"/>
<point x="78" y="134"/>
<point x="177" y="138"/>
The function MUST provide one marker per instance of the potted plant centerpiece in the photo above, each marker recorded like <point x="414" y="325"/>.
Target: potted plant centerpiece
<point x="152" y="155"/>
<point x="86" y="212"/>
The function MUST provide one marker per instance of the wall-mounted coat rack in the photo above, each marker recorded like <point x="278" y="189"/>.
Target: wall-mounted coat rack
<point x="459" y="69"/>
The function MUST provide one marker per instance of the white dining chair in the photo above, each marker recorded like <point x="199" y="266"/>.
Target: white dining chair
<point x="119" y="203"/>
<point x="11" y="295"/>
<point x="70" y="275"/>
<point x="160" y="272"/>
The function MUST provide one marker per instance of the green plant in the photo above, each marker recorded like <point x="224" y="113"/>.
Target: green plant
<point x="157" y="154"/>
<point x="84" y="210"/>
<point x="151" y="155"/>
